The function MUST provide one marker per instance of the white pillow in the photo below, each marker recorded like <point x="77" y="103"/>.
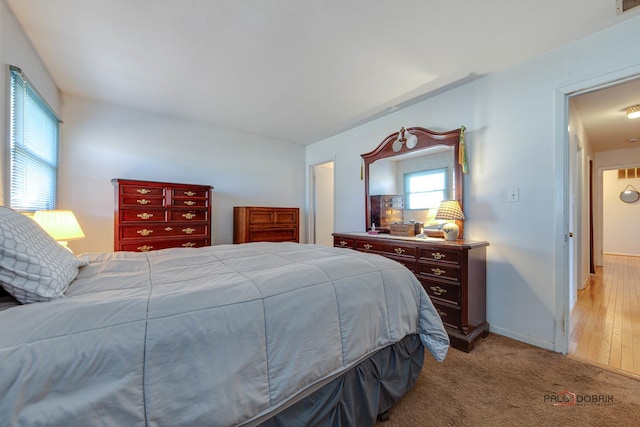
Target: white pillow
<point x="33" y="266"/>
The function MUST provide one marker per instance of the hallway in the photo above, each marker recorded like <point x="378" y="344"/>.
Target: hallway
<point x="605" y="324"/>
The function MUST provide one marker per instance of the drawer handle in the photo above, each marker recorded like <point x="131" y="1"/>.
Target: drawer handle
<point x="144" y="215"/>
<point x="168" y="229"/>
<point x="145" y="248"/>
<point x="145" y="232"/>
<point x="399" y="251"/>
<point x="367" y="246"/>
<point x="189" y="215"/>
<point x="188" y="230"/>
<point x="437" y="290"/>
<point x="190" y="193"/>
<point x="437" y="255"/>
<point x="143" y="201"/>
<point x="438" y="271"/>
<point x="343" y="243"/>
<point x="441" y="313"/>
<point x="143" y="191"/>
<point x="189" y="202"/>
<point x="188" y="245"/>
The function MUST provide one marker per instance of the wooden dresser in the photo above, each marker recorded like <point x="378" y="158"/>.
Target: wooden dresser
<point x="153" y="215"/>
<point x="386" y="210"/>
<point x="265" y="224"/>
<point x="452" y="273"/>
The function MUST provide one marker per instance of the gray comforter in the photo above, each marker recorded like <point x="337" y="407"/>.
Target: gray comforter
<point x="222" y="335"/>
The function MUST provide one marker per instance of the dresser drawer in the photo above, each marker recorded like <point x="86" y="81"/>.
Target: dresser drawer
<point x="439" y="271"/>
<point x="178" y="193"/>
<point x="130" y="201"/>
<point x="273" y="234"/>
<point x="341" y="242"/>
<point x="386" y="248"/>
<point x="154" y="245"/>
<point x="141" y="190"/>
<point x="143" y="215"/>
<point x="190" y="215"/>
<point x="160" y="231"/>
<point x="440" y="255"/>
<point x="189" y="202"/>
<point x="450" y="315"/>
<point x="449" y="292"/>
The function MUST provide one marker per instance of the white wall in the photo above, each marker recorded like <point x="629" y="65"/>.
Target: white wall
<point x="100" y="142"/>
<point x="15" y="49"/>
<point x="515" y="138"/>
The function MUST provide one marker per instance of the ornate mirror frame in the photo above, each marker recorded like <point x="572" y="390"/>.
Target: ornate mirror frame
<point x="426" y="140"/>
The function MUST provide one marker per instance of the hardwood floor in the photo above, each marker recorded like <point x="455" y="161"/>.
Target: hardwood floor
<point x="605" y="324"/>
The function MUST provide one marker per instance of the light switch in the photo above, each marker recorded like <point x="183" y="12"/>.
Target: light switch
<point x="513" y="195"/>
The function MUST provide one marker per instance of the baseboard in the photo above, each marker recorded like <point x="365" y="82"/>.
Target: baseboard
<point x="547" y="345"/>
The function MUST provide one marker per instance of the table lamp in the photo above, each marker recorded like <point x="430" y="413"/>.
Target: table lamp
<point x="61" y="225"/>
<point x="450" y="210"/>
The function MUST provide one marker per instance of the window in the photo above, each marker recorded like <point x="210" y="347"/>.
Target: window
<point x="33" y="148"/>
<point x="425" y="189"/>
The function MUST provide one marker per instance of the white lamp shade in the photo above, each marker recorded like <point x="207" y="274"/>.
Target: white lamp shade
<point x="61" y="225"/>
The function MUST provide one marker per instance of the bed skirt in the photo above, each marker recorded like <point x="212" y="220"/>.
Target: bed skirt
<point x="357" y="397"/>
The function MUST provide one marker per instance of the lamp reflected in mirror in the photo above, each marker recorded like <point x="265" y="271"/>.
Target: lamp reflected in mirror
<point x="450" y="210"/>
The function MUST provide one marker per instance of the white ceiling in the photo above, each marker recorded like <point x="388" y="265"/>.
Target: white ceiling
<point x="286" y="69"/>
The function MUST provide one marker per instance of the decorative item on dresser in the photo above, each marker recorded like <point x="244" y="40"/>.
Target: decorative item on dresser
<point x="452" y="273"/>
<point x="386" y="210"/>
<point x="152" y="215"/>
<point x="265" y="224"/>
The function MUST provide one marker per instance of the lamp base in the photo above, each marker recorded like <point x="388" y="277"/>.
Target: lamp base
<point x="450" y="231"/>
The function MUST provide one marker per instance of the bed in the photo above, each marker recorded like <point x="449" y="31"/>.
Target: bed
<point x="272" y="334"/>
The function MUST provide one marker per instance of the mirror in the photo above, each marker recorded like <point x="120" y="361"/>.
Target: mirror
<point x="387" y="168"/>
<point x="630" y="194"/>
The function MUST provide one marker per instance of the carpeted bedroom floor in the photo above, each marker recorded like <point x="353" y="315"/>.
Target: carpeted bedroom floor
<point x="503" y="382"/>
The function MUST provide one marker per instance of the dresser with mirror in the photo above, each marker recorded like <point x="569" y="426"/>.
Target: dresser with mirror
<point x="423" y="168"/>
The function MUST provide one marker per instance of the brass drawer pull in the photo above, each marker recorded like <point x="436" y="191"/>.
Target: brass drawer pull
<point x="437" y="255"/>
<point x="399" y="251"/>
<point x="343" y="243"/>
<point x="143" y="191"/>
<point x="189" y="215"/>
<point x="145" y="248"/>
<point x="438" y="271"/>
<point x="188" y="244"/>
<point x="143" y="201"/>
<point x="441" y="313"/>
<point x="168" y="229"/>
<point x="145" y="232"/>
<point x="367" y="246"/>
<point x="437" y="290"/>
<point x="144" y="215"/>
<point x="189" y="202"/>
<point x="188" y="230"/>
<point x="190" y="193"/>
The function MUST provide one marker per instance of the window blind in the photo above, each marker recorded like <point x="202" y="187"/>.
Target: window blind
<point x="33" y="148"/>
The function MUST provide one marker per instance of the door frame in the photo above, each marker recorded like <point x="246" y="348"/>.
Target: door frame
<point x="311" y="200"/>
<point x="562" y="193"/>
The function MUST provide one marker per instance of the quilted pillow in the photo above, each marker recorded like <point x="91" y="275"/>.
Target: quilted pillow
<point x="33" y="266"/>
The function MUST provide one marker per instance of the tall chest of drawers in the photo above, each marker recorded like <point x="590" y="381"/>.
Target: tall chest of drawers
<point x="386" y="210"/>
<point x="265" y="224"/>
<point x="150" y="215"/>
<point x="452" y="273"/>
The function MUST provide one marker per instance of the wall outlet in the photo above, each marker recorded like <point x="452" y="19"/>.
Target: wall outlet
<point x="513" y="194"/>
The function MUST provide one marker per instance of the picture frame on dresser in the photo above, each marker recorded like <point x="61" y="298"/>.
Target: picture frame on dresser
<point x="152" y="215"/>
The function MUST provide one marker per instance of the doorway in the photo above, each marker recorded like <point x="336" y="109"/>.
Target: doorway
<point x="321" y="203"/>
<point x="600" y="316"/>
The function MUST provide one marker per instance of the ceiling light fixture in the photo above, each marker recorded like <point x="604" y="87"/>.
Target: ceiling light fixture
<point x="633" y="112"/>
<point x="404" y="137"/>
